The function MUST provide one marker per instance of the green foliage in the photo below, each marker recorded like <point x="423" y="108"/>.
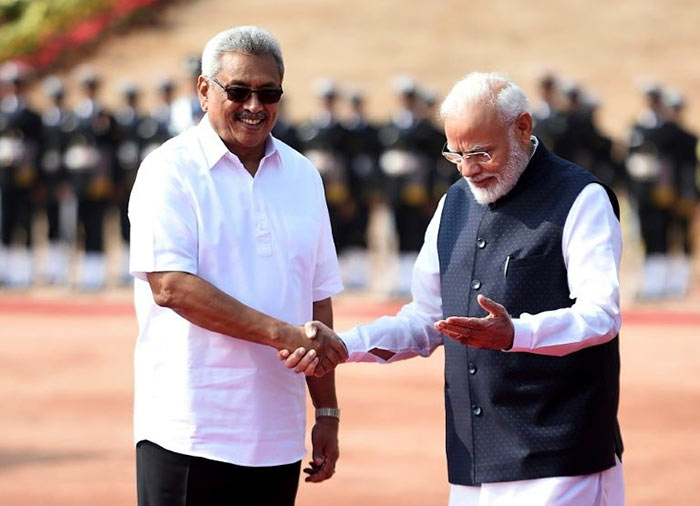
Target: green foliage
<point x="26" y="23"/>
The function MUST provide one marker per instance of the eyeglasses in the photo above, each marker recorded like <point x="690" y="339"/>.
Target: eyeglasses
<point x="241" y="94"/>
<point x="456" y="158"/>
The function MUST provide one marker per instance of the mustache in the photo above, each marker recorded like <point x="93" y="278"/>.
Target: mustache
<point x="251" y="115"/>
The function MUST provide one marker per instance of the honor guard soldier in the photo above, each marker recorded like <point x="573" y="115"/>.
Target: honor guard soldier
<point x="154" y="128"/>
<point x="684" y="157"/>
<point x="186" y="110"/>
<point x="284" y="129"/>
<point x="405" y="165"/>
<point x="323" y="140"/>
<point x="650" y="172"/>
<point x="129" y="124"/>
<point x="20" y="148"/>
<point x="362" y="150"/>
<point x="91" y="163"/>
<point x="573" y="141"/>
<point x="549" y="122"/>
<point x="163" y="108"/>
<point x="59" y="201"/>
<point x="443" y="173"/>
<point x="607" y="158"/>
<point x="581" y="141"/>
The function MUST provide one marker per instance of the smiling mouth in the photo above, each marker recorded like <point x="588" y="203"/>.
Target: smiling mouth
<point x="252" y="121"/>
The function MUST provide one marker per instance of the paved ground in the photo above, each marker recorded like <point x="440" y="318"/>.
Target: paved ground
<point x="66" y="380"/>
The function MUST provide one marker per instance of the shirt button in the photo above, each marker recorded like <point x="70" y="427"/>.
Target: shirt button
<point x="476" y="284"/>
<point x="476" y="410"/>
<point x="481" y="243"/>
<point x="472" y="368"/>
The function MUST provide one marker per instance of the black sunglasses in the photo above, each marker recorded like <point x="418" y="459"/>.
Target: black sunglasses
<point x="241" y="94"/>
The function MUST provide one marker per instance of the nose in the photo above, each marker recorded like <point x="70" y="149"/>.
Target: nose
<point x="253" y="103"/>
<point x="468" y="168"/>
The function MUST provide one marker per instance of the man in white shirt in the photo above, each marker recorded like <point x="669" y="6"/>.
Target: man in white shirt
<point x="232" y="252"/>
<point x="531" y="399"/>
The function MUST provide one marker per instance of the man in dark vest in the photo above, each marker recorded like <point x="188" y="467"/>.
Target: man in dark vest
<point x="519" y="270"/>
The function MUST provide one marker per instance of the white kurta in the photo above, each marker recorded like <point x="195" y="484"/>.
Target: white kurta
<point x="264" y="240"/>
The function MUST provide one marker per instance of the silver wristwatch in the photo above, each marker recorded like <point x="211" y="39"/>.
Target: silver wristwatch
<point x="332" y="412"/>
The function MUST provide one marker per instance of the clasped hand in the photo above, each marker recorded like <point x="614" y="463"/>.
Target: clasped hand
<point x="319" y="355"/>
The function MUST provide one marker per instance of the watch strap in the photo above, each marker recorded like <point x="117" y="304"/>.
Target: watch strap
<point x="332" y="412"/>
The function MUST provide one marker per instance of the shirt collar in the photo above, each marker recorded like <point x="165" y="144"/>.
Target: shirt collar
<point x="214" y="148"/>
<point x="535" y="142"/>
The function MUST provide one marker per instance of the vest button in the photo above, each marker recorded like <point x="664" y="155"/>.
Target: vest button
<point x="476" y="284"/>
<point x="481" y="243"/>
<point x="472" y="368"/>
<point x="476" y="410"/>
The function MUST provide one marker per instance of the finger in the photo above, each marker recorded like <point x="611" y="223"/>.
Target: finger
<point x="283" y="354"/>
<point x="464" y="322"/>
<point x="341" y="349"/>
<point x="320" y="371"/>
<point x="293" y="358"/>
<point x="463" y="331"/>
<point x="326" y="471"/>
<point x="320" y="472"/>
<point x="306" y="361"/>
<point x="457" y="335"/>
<point x="493" y="307"/>
<point x="326" y="364"/>
<point x="311" y="329"/>
<point x="332" y="356"/>
<point x="311" y="369"/>
<point x="311" y="470"/>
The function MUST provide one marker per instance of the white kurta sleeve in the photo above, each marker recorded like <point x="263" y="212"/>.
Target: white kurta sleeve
<point x="410" y="332"/>
<point x="592" y="249"/>
<point x="163" y="222"/>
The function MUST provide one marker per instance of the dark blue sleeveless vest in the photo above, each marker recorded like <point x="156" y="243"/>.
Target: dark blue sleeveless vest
<point x="516" y="416"/>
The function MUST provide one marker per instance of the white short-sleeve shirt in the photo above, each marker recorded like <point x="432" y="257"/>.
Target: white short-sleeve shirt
<point x="266" y="241"/>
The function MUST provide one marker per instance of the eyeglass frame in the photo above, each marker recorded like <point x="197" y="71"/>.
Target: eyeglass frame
<point x="461" y="157"/>
<point x="250" y="92"/>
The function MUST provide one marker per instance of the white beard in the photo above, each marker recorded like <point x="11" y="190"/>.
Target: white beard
<point x="505" y="180"/>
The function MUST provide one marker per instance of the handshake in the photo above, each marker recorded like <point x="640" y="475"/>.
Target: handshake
<point x="316" y="351"/>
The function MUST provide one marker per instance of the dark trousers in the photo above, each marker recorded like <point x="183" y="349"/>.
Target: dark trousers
<point x="166" y="478"/>
<point x="91" y="214"/>
<point x="654" y="224"/>
<point x="124" y="224"/>
<point x="16" y="215"/>
<point x="53" y="216"/>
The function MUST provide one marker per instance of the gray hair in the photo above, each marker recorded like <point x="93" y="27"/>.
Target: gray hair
<point x="485" y="88"/>
<point x="241" y="39"/>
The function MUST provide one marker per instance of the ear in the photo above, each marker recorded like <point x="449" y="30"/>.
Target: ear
<point x="523" y="127"/>
<point x="203" y="92"/>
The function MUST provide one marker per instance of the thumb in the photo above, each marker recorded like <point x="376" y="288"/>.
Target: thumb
<point x="493" y="307"/>
<point x="310" y="328"/>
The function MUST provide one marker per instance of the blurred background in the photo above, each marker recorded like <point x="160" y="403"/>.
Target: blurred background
<point x="89" y="87"/>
